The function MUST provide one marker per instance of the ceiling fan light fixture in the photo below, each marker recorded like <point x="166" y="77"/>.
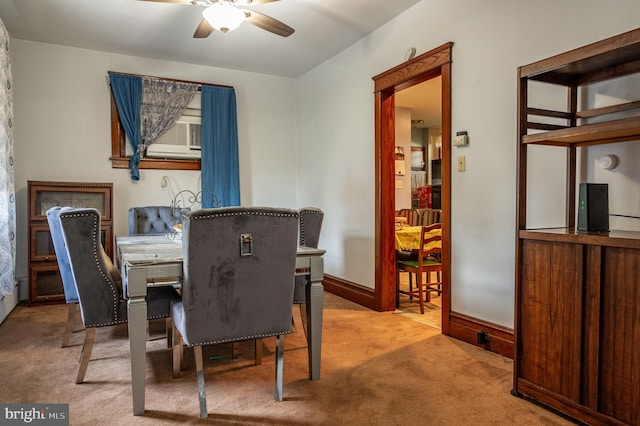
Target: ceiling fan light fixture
<point x="223" y="16"/>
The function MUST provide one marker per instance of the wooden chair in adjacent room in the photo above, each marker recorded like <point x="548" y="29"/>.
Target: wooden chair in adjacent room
<point x="429" y="216"/>
<point x="425" y="217"/>
<point x="428" y="261"/>
<point x="412" y="216"/>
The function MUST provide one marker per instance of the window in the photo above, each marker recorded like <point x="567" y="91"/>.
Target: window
<point x="182" y="140"/>
<point x="168" y="155"/>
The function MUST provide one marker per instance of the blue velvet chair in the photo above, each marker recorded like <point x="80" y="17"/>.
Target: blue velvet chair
<point x="97" y="281"/>
<point x="239" y="266"/>
<point x="68" y="284"/>
<point x="154" y="219"/>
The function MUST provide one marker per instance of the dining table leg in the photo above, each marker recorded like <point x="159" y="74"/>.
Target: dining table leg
<point x="315" y="301"/>
<point x="136" y="288"/>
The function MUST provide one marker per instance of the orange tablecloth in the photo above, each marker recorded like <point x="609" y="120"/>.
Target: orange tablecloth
<point x="408" y="238"/>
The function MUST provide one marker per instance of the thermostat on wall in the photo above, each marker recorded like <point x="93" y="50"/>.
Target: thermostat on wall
<point x="461" y="138"/>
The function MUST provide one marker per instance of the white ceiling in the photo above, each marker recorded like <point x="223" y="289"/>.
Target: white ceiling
<point x="323" y="28"/>
<point x="425" y="102"/>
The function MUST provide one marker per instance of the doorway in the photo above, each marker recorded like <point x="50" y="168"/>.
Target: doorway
<point x="418" y="122"/>
<point x="429" y="65"/>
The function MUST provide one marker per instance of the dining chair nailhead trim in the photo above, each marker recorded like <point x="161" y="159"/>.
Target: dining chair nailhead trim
<point x="105" y="324"/>
<point x="244" y="213"/>
<point x="238" y="339"/>
<point x="303" y="213"/>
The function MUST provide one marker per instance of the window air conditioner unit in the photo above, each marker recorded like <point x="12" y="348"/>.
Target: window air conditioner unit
<point x="182" y="141"/>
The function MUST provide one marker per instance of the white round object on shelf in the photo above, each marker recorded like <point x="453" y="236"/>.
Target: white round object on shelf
<point x="609" y="162"/>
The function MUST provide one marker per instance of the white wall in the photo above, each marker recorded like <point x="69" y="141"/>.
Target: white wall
<point x="62" y="129"/>
<point x="491" y="39"/>
<point x="403" y="139"/>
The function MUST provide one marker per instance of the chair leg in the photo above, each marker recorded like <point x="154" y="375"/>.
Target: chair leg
<point x="397" y="284"/>
<point x="176" y="342"/>
<point x="85" y="356"/>
<point x="420" y="291"/>
<point x="258" y="351"/>
<point x="427" y="286"/>
<point x="72" y="317"/>
<point x="202" y="394"/>
<point x="279" y="366"/>
<point x="411" y="286"/>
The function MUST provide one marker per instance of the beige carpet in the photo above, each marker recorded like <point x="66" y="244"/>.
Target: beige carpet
<point x="410" y="308"/>
<point x="377" y="369"/>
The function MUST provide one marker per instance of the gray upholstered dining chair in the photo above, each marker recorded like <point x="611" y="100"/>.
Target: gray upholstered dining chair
<point x="68" y="284"/>
<point x="154" y="219"/>
<point x="310" y="225"/>
<point x="239" y="265"/>
<point x="97" y="281"/>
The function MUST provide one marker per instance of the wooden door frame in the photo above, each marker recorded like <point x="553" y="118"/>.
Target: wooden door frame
<point x="436" y="62"/>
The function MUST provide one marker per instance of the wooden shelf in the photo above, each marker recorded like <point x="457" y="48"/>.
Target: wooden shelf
<point x="615" y="56"/>
<point x="621" y="130"/>
<point x="614" y="238"/>
<point x="576" y="293"/>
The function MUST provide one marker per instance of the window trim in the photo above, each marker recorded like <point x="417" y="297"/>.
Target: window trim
<point x="119" y="159"/>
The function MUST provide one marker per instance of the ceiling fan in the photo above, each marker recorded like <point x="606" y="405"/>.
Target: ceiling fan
<point x="226" y="15"/>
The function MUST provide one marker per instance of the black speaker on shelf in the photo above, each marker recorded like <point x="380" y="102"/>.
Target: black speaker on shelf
<point x="593" y="207"/>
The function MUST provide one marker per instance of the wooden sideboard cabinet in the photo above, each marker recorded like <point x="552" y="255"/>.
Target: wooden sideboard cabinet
<point x="45" y="283"/>
<point x="577" y="295"/>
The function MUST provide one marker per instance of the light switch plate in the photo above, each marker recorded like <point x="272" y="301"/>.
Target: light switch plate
<point x="462" y="163"/>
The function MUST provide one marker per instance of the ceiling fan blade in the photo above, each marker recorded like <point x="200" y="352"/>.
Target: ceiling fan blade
<point x="268" y="23"/>
<point x="171" y="1"/>
<point x="252" y="2"/>
<point x="204" y="30"/>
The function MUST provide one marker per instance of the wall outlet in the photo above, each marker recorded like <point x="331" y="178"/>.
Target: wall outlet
<point x="482" y="337"/>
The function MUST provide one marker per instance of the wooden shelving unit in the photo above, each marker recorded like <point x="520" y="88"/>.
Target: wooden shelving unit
<point x="45" y="283"/>
<point x="578" y="294"/>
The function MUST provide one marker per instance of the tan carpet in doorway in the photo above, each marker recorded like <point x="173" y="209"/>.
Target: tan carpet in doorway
<point x="377" y="369"/>
<point x="410" y="308"/>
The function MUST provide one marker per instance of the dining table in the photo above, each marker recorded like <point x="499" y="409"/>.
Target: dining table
<point x="407" y="238"/>
<point x="148" y="260"/>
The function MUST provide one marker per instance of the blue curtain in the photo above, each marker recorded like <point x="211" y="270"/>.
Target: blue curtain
<point x="220" y="168"/>
<point x="127" y="92"/>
